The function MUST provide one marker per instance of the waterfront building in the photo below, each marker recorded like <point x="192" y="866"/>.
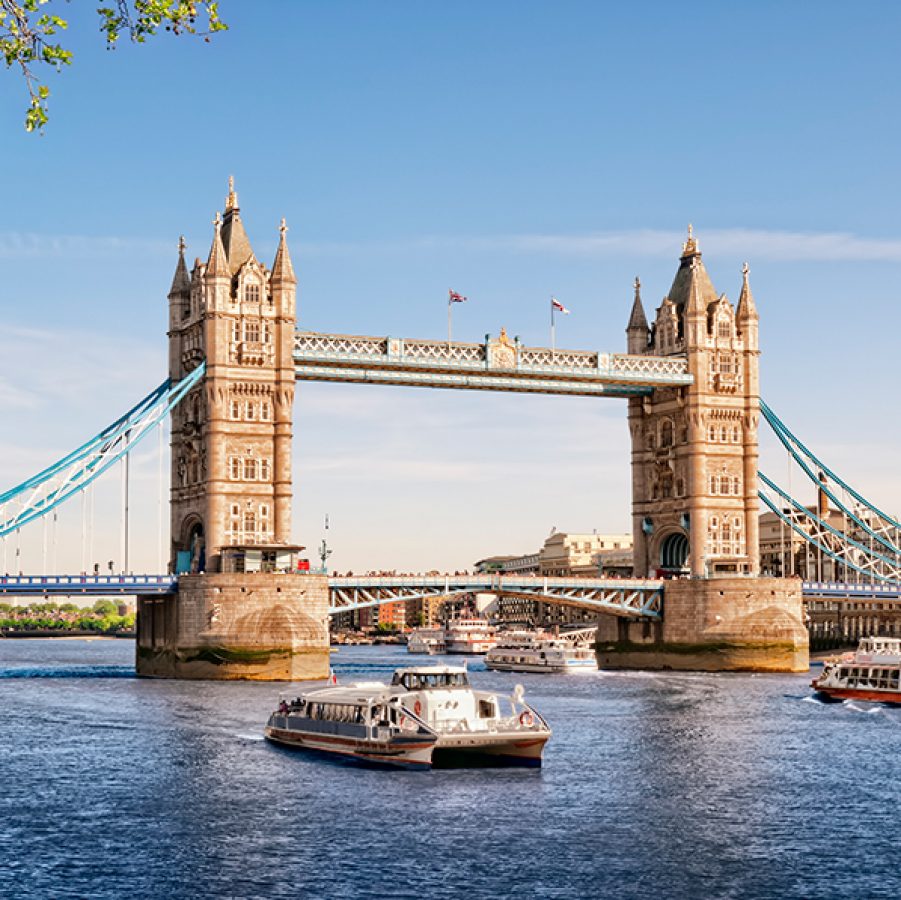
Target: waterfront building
<point x="566" y="553"/>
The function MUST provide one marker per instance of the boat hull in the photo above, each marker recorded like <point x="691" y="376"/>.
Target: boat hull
<point x="489" y="751"/>
<point x="408" y="753"/>
<point x="837" y="694"/>
<point x="558" y="668"/>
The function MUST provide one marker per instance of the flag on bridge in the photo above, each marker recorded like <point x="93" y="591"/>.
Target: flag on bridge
<point x="559" y="306"/>
<point x="454" y="297"/>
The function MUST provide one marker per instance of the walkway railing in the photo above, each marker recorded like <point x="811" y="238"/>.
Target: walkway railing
<point x="497" y="364"/>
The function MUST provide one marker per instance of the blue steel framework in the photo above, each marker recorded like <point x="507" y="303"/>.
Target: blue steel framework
<point x="42" y="493"/>
<point x="498" y="365"/>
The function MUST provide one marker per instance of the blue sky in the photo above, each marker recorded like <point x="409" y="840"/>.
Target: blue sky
<point x="509" y="150"/>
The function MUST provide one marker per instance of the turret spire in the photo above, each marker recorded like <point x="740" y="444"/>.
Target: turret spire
<point x="747" y="309"/>
<point x="282" y="270"/>
<point x="637" y="329"/>
<point x="217" y="264"/>
<point x="181" y="282"/>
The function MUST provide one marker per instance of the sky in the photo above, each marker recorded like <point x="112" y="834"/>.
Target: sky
<point x="508" y="150"/>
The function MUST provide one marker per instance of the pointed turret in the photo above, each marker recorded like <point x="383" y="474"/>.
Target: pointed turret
<point x="234" y="237"/>
<point x="181" y="281"/>
<point x="637" y="329"/>
<point x="217" y="264"/>
<point x="692" y="288"/>
<point x="746" y="306"/>
<point x="282" y="270"/>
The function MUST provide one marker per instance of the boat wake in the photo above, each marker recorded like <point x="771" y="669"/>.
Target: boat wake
<point x="69" y="672"/>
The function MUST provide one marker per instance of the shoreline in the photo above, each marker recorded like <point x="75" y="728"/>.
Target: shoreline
<point x="65" y="636"/>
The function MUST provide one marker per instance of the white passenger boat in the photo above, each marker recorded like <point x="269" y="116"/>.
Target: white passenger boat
<point x="872" y="673"/>
<point x="540" y="652"/>
<point x="428" y="715"/>
<point x="426" y="640"/>
<point x="469" y="635"/>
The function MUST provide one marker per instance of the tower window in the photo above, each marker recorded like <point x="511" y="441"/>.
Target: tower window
<point x="251" y="293"/>
<point x="252" y="331"/>
<point x="250" y="470"/>
<point x="250" y="522"/>
<point x="265" y="411"/>
<point x="265" y="470"/>
<point x="251" y="411"/>
<point x="236" y="331"/>
<point x="725" y="331"/>
<point x="235" y="468"/>
<point x="236" y="409"/>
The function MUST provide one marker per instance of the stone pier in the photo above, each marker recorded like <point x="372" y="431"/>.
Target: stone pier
<point x="714" y="625"/>
<point x="256" y="626"/>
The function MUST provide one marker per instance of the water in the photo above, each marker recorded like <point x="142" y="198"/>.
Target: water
<point x="654" y="785"/>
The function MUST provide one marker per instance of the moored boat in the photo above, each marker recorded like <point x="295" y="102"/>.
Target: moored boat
<point x="426" y="640"/>
<point x="872" y="673"/>
<point x="540" y="652"/>
<point x="469" y="635"/>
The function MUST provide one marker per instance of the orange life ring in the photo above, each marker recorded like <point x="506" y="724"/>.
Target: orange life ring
<point x="417" y="707"/>
<point x="526" y="719"/>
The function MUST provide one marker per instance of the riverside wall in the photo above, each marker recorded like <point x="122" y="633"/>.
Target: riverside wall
<point x="714" y="625"/>
<point x="256" y="626"/>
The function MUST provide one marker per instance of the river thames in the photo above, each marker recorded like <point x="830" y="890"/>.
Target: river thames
<point x="654" y="785"/>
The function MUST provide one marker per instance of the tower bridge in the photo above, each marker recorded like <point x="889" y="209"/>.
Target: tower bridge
<point x="690" y="377"/>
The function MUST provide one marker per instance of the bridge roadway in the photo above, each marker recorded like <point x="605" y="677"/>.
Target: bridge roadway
<point x="634" y="598"/>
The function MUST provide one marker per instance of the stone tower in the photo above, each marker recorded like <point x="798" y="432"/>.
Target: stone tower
<point x="240" y="609"/>
<point x="694" y="448"/>
<point x="231" y="436"/>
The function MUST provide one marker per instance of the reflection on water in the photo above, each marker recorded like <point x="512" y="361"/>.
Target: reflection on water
<point x="654" y="785"/>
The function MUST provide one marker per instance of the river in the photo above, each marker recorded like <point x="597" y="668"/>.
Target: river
<point x="654" y="785"/>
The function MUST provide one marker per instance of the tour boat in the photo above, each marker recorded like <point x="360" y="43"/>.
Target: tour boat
<point x="469" y="635"/>
<point x="426" y="640"/>
<point x="872" y="673"/>
<point x="427" y="716"/>
<point x="540" y="652"/>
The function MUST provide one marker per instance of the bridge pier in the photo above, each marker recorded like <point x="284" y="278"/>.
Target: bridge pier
<point x="714" y="625"/>
<point x="256" y="626"/>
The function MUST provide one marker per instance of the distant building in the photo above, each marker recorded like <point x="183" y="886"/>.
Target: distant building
<point x="564" y="553"/>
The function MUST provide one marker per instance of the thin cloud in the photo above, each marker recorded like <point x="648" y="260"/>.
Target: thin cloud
<point x="790" y="246"/>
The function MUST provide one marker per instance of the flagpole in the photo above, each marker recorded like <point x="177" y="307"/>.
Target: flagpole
<point x="449" y="307"/>
<point x="553" y="330"/>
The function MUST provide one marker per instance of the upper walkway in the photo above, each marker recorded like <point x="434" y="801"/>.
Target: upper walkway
<point x="495" y="365"/>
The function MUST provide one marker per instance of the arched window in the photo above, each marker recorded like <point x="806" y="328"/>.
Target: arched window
<point x="723" y="437"/>
<point x="666" y="433"/>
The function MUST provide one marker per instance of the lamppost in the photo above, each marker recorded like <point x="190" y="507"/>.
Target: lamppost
<point x="324" y="552"/>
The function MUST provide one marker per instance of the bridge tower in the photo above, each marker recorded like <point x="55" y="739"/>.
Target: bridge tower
<point x="231" y="437"/>
<point x="694" y="492"/>
<point x="694" y="449"/>
<point x="240" y="611"/>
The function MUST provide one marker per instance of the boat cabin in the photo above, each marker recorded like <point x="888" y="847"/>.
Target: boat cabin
<point x="442" y="678"/>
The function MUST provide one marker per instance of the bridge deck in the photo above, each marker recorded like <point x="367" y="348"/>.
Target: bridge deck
<point x="496" y="365"/>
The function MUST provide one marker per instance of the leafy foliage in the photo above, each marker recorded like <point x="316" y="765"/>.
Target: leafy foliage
<point x="29" y="36"/>
<point x="103" y="618"/>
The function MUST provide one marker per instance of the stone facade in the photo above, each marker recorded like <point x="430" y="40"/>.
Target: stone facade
<point x="715" y="624"/>
<point x="231" y="436"/>
<point x="268" y="627"/>
<point x="694" y="449"/>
